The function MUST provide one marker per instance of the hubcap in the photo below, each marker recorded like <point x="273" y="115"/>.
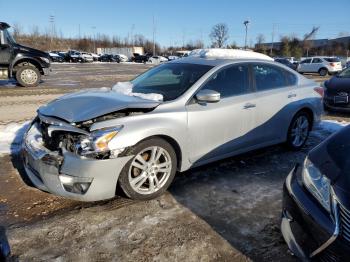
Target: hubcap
<point x="150" y="170"/>
<point x="29" y="76"/>
<point x="300" y="131"/>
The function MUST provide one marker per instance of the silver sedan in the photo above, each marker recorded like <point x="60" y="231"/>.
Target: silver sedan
<point x="175" y="116"/>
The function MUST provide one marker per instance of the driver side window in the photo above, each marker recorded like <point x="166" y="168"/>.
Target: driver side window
<point x="230" y="81"/>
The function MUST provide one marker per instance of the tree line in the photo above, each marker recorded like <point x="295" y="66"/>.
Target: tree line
<point x="219" y="35"/>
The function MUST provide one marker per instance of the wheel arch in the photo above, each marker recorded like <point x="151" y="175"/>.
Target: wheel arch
<point x="24" y="61"/>
<point x="308" y="111"/>
<point x="323" y="67"/>
<point x="173" y="143"/>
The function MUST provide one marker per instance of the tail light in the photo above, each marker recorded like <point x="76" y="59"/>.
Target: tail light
<point x="332" y="64"/>
<point x="319" y="90"/>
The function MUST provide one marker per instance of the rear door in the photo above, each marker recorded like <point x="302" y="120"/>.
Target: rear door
<point x="275" y="93"/>
<point x="316" y="64"/>
<point x="219" y="129"/>
<point x="305" y="66"/>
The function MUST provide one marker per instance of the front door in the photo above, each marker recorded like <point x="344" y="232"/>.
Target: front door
<point x="219" y="129"/>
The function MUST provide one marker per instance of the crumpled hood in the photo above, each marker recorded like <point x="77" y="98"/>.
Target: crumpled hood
<point x="85" y="105"/>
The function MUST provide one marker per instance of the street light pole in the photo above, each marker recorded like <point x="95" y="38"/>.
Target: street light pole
<point x="94" y="36"/>
<point x="246" y="23"/>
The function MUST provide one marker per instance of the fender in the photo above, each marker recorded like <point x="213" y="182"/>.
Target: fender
<point x="26" y="58"/>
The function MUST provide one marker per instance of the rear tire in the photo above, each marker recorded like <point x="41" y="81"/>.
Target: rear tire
<point x="299" y="130"/>
<point x="150" y="172"/>
<point x="28" y="76"/>
<point x="323" y="72"/>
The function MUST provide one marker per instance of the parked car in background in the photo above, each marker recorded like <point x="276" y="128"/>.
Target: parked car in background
<point x="95" y="56"/>
<point x="137" y="58"/>
<point x="73" y="56"/>
<point x="56" y="57"/>
<point x="140" y="133"/>
<point x="108" y="58"/>
<point x="293" y="60"/>
<point x="86" y="57"/>
<point x="286" y="62"/>
<point x="321" y="65"/>
<point x="157" y="59"/>
<point x="172" y="57"/>
<point x="316" y="206"/>
<point x="122" y="58"/>
<point x="337" y="92"/>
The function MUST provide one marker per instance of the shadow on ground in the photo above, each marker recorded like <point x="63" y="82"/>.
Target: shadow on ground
<point x="241" y="198"/>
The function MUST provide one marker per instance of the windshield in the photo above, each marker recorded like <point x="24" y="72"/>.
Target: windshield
<point x="345" y="73"/>
<point x="170" y="80"/>
<point x="9" y="37"/>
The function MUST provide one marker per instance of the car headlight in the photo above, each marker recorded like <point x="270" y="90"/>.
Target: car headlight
<point x="316" y="183"/>
<point x="46" y="60"/>
<point x="98" y="141"/>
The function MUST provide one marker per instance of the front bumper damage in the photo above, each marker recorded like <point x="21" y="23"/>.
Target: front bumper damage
<point x="57" y="173"/>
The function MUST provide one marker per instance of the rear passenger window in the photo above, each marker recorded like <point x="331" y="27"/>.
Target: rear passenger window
<point x="230" y="81"/>
<point x="291" y="78"/>
<point x="316" y="61"/>
<point x="270" y="77"/>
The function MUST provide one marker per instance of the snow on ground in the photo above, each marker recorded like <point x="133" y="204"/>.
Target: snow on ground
<point x="11" y="137"/>
<point x="332" y="125"/>
<point x="11" y="134"/>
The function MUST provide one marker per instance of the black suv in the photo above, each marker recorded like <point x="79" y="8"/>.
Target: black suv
<point x="21" y="62"/>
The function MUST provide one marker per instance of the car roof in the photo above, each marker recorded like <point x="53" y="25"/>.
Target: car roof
<point x="216" y="61"/>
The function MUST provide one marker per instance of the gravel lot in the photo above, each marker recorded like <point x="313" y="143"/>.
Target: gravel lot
<point x="225" y="211"/>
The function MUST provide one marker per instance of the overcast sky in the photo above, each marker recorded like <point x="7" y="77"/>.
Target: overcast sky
<point x="181" y="20"/>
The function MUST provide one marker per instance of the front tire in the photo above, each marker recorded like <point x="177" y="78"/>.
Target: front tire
<point x="28" y="76"/>
<point x="299" y="130"/>
<point x="150" y="172"/>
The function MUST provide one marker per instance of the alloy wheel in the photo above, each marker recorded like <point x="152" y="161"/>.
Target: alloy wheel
<point x="150" y="170"/>
<point x="300" y="131"/>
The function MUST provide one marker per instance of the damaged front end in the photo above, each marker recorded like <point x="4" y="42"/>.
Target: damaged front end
<point x="67" y="159"/>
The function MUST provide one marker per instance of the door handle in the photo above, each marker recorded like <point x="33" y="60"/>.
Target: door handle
<point x="292" y="95"/>
<point x="249" y="105"/>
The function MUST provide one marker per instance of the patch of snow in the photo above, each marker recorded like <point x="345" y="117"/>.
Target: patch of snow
<point x="228" y="54"/>
<point x="11" y="136"/>
<point x="332" y="125"/>
<point x="125" y="88"/>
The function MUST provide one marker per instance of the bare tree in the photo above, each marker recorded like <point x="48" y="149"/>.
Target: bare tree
<point x="219" y="35"/>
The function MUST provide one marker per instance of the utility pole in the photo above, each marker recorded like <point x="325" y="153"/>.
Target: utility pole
<point x="79" y="31"/>
<point x="132" y="35"/>
<point x="246" y="23"/>
<point x="94" y="37"/>
<point x="272" y="39"/>
<point x="52" y="22"/>
<point x="154" y="37"/>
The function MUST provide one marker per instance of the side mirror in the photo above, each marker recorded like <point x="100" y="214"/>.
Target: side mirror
<point x="208" y="96"/>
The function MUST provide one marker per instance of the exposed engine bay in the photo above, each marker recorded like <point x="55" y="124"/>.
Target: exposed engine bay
<point x="58" y="135"/>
